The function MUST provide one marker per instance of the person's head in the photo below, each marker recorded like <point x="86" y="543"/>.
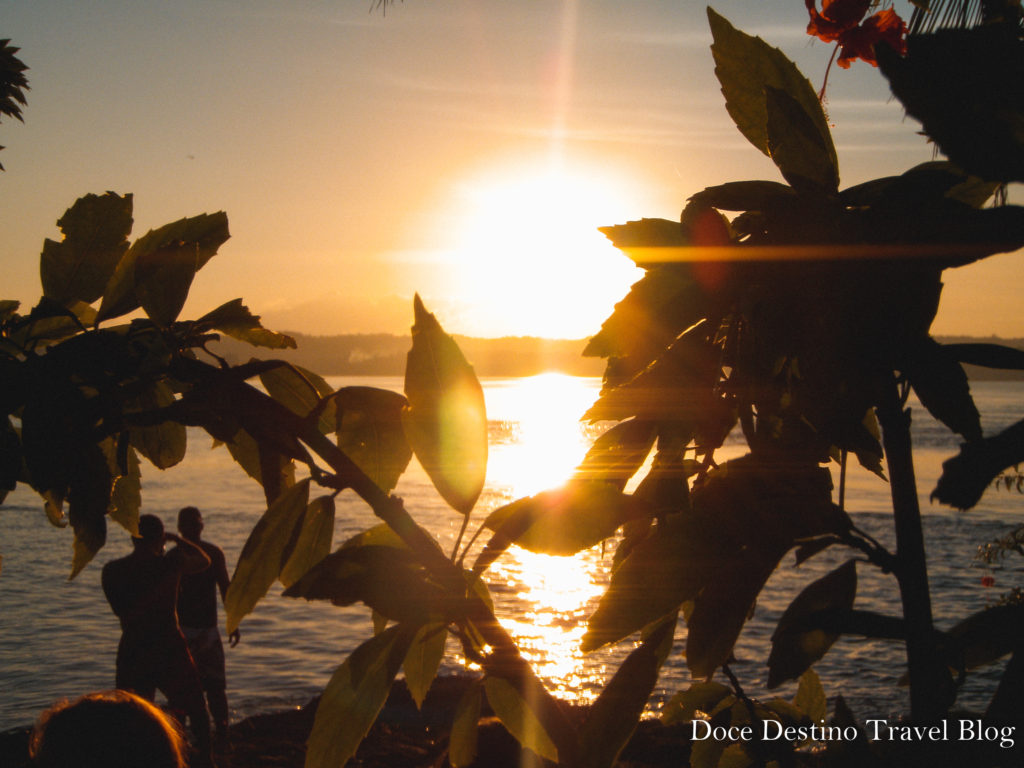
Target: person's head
<point x="108" y="729"/>
<point x="190" y="523"/>
<point x="151" y="534"/>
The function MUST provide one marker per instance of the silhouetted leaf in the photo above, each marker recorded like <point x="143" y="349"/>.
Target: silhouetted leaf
<point x="559" y="522"/>
<point x="700" y="697"/>
<point x="462" y="739"/>
<point x="353" y="698"/>
<point x="796" y="145"/>
<point x="423" y="659"/>
<point x="942" y="387"/>
<point x="88" y="499"/>
<point x="235" y="319"/>
<point x="971" y="110"/>
<point x="387" y="578"/>
<point x="985" y="636"/>
<point x="314" y="540"/>
<point x="157" y="269"/>
<point x="614" y="715"/>
<point x="751" y="513"/>
<point x="652" y="233"/>
<point x="742" y="195"/>
<point x="675" y="387"/>
<point x="746" y="66"/>
<point x="664" y="303"/>
<point x="659" y="573"/>
<point x="987" y="355"/>
<point x="95" y="233"/>
<point x="617" y="454"/>
<point x="519" y="718"/>
<point x="263" y="555"/>
<point x="445" y="421"/>
<point x="796" y="642"/>
<point x="370" y="432"/>
<point x="11" y="464"/>
<point x="163" y="444"/>
<point x="966" y="476"/>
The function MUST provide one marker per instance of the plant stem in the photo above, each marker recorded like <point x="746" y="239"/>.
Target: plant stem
<point x="930" y="684"/>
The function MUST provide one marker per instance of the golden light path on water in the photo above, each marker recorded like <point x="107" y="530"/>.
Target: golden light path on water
<point x="550" y="597"/>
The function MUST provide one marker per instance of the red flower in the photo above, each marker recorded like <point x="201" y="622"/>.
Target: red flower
<point x="843" y="22"/>
<point x="836" y="17"/>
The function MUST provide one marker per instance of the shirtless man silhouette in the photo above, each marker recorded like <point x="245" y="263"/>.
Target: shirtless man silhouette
<point x="142" y="590"/>
<point x="197" y="613"/>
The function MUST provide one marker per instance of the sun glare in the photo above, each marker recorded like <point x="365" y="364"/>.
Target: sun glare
<point x="550" y="441"/>
<point x="528" y="259"/>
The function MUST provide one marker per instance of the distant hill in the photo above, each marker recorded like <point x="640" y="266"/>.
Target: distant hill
<point x="381" y="354"/>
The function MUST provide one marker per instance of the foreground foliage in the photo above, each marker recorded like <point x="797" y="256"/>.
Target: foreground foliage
<point x="802" y="317"/>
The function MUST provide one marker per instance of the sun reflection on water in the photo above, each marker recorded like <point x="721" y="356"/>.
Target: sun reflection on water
<point x="544" y="601"/>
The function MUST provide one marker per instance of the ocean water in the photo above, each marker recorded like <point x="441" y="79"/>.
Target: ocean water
<point x="58" y="637"/>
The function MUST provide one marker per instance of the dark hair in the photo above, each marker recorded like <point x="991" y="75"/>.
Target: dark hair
<point x="151" y="528"/>
<point x="189" y="515"/>
<point x="107" y="729"/>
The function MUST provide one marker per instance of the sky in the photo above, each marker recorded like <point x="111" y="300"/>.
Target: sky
<point x="463" y="149"/>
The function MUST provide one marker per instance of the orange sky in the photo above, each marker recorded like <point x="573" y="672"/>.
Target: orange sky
<point x="465" y="149"/>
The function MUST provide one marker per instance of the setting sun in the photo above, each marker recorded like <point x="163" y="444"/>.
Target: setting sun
<point x="526" y="247"/>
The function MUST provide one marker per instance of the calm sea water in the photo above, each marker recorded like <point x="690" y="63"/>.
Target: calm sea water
<point x="58" y="637"/>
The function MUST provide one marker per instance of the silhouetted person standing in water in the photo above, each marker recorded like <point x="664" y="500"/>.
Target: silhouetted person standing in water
<point x="142" y="589"/>
<point x="197" y="613"/>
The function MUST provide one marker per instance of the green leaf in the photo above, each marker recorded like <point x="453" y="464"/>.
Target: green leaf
<point x="235" y="319"/>
<point x="735" y="756"/>
<point x="370" y="432"/>
<point x="796" y="146"/>
<point x="314" y="540"/>
<point x="619" y="453"/>
<point x="264" y="553"/>
<point x="298" y="391"/>
<point x="353" y="698"/>
<point x="559" y="522"/>
<point x="810" y="697"/>
<point x="389" y="579"/>
<point x="519" y="718"/>
<point x="246" y="452"/>
<point x="746" y="66"/>
<point x="157" y="269"/>
<point x="163" y="444"/>
<point x="699" y="699"/>
<point x="126" y="497"/>
<point x="796" y="642"/>
<point x="463" y="737"/>
<point x="423" y="659"/>
<point x="613" y="717"/>
<point x="95" y="230"/>
<point x="445" y="421"/>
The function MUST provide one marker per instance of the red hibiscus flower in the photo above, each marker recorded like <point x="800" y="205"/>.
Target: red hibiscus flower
<point x="843" y="22"/>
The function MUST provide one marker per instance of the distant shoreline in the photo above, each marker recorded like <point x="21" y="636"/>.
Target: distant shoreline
<point x="382" y="354"/>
